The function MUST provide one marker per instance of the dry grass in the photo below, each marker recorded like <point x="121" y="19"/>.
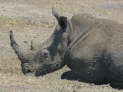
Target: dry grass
<point x="32" y="20"/>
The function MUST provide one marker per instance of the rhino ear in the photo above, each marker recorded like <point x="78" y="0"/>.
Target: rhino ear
<point x="55" y="13"/>
<point x="62" y="21"/>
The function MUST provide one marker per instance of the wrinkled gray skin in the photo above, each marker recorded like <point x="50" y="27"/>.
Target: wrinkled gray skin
<point x="91" y="47"/>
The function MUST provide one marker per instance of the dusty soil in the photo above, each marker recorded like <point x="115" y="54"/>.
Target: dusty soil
<point x="32" y="20"/>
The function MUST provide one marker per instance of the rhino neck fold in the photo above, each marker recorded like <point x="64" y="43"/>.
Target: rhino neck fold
<point x="80" y="28"/>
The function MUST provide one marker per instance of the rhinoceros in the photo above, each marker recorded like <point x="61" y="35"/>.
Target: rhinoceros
<point x="91" y="47"/>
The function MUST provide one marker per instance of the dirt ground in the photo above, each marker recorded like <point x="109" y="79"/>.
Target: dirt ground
<point x="33" y="20"/>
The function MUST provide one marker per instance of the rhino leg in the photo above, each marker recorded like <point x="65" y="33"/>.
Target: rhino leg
<point x="116" y="68"/>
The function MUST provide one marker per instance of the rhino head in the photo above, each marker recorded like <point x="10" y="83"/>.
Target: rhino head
<point x="50" y="57"/>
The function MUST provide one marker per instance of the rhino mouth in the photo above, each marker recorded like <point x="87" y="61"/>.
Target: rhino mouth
<point x="47" y="69"/>
<point x="41" y="73"/>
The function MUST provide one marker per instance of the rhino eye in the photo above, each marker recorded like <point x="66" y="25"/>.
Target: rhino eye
<point x="46" y="55"/>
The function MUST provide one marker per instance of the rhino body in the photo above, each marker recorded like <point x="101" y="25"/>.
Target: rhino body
<point x="91" y="47"/>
